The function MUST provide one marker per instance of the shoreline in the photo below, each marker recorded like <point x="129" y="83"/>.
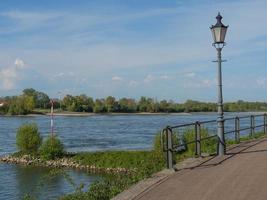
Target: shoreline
<point x="80" y="114"/>
<point x="64" y="162"/>
<point x="114" y="114"/>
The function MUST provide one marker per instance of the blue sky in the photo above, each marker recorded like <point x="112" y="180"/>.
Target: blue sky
<point x="156" y="48"/>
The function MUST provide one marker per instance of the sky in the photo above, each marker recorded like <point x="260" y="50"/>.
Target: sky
<point x="132" y="48"/>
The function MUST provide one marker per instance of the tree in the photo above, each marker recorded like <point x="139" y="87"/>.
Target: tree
<point x="146" y="105"/>
<point x="51" y="148"/>
<point x="127" y="105"/>
<point x="41" y="100"/>
<point x="99" y="106"/>
<point x="21" y="105"/>
<point x="111" y="104"/>
<point x="142" y="104"/>
<point x="84" y="103"/>
<point x="68" y="103"/>
<point x="28" y="138"/>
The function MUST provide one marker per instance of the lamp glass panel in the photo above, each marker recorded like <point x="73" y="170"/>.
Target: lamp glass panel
<point x="223" y="33"/>
<point x="217" y="34"/>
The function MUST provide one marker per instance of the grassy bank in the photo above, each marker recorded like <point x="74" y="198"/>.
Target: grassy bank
<point x="144" y="164"/>
<point x="141" y="164"/>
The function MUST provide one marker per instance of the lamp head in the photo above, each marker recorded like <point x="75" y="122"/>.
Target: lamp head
<point x="218" y="30"/>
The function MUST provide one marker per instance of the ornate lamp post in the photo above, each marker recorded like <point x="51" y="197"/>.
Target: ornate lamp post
<point x="218" y="32"/>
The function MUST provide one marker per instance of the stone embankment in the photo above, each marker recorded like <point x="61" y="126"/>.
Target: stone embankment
<point x="60" y="163"/>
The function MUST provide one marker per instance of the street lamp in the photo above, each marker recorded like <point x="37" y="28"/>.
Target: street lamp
<point x="218" y="32"/>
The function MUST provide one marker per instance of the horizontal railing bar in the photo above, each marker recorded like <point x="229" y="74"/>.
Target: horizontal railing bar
<point x="197" y="131"/>
<point x="258" y="115"/>
<point x="206" y="138"/>
<point x="248" y="116"/>
<point x="183" y="125"/>
<point x="230" y="118"/>
<point x="184" y="144"/>
<point x="258" y="126"/>
<point x="210" y="121"/>
<point x="243" y="117"/>
<point x="243" y="129"/>
<point x="228" y="132"/>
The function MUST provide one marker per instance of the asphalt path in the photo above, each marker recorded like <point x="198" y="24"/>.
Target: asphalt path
<point x="239" y="175"/>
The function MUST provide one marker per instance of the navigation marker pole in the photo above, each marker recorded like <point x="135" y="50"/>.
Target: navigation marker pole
<point x="52" y="117"/>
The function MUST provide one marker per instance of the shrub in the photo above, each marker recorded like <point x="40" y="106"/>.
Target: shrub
<point x="28" y="138"/>
<point x="103" y="189"/>
<point x="158" y="146"/>
<point x="51" y="148"/>
<point x="160" y="143"/>
<point x="207" y="146"/>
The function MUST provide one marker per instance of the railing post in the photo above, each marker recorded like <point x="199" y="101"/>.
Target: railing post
<point x="252" y="125"/>
<point x="169" y="148"/>
<point x="197" y="139"/>
<point x="237" y="129"/>
<point x="265" y="123"/>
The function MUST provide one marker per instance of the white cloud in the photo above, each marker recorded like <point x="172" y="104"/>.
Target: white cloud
<point x="116" y="78"/>
<point x="199" y="82"/>
<point x="190" y="74"/>
<point x="165" y="77"/>
<point x="19" y="63"/>
<point x="71" y="74"/>
<point x="63" y="74"/>
<point x="205" y="83"/>
<point x="149" y="78"/>
<point x="262" y="82"/>
<point x="10" y="75"/>
<point x="60" y="74"/>
<point x="133" y="83"/>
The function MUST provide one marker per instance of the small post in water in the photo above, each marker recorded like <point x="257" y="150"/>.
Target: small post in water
<point x="169" y="148"/>
<point x="237" y="129"/>
<point x="52" y="117"/>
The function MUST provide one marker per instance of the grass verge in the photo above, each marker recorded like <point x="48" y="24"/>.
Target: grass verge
<point x="142" y="164"/>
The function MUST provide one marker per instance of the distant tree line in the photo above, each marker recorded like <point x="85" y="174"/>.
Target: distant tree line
<point x="24" y="103"/>
<point x="31" y="101"/>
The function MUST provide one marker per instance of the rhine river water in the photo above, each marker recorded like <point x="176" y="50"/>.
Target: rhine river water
<point x="79" y="133"/>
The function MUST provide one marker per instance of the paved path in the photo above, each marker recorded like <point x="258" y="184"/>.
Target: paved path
<point x="240" y="175"/>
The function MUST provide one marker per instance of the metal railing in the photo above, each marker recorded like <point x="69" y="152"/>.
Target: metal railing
<point x="250" y="123"/>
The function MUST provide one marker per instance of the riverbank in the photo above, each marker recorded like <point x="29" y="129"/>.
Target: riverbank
<point x="111" y="114"/>
<point x="119" y="162"/>
<point x="126" y="167"/>
<point x="123" y="169"/>
<point x="80" y="114"/>
<point x="60" y="163"/>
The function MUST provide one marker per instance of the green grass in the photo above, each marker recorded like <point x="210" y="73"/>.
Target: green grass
<point x="114" y="159"/>
<point x="142" y="164"/>
<point x="247" y="138"/>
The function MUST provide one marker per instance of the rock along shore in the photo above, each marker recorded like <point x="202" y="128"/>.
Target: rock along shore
<point x="60" y="163"/>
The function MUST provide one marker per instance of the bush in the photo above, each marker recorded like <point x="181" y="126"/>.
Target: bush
<point x="28" y="138"/>
<point x="51" y="148"/>
<point x="207" y="146"/>
<point x="103" y="189"/>
<point x="160" y="143"/>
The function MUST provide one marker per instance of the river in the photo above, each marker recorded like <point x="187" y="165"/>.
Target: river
<point x="79" y="133"/>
